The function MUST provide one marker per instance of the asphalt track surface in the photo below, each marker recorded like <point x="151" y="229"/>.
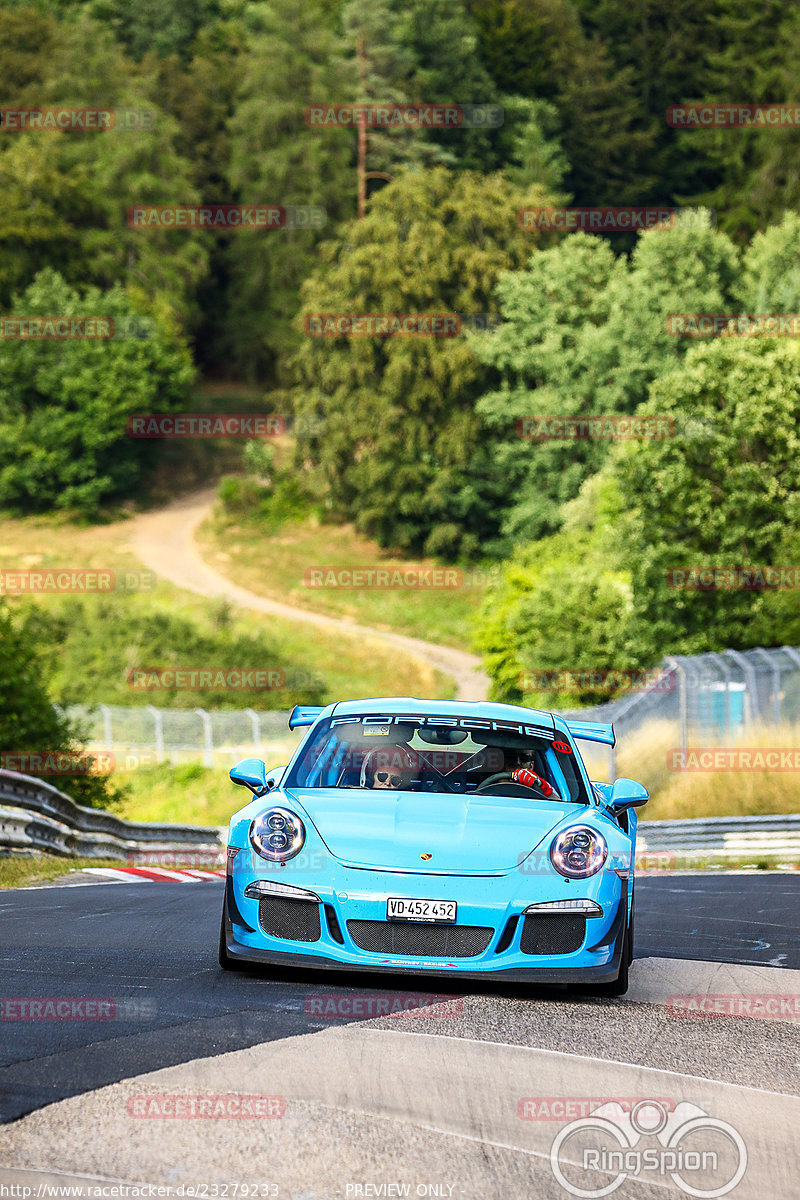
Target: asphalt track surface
<point x="384" y="1104"/>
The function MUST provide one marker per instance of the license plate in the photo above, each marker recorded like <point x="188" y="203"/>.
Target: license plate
<point x="439" y="911"/>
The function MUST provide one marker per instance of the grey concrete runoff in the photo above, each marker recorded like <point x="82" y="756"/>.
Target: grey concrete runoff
<point x="423" y="1104"/>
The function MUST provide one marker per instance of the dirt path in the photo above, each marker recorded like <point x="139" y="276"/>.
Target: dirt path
<point x="164" y="540"/>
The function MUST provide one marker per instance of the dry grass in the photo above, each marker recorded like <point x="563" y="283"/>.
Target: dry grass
<point x="676" y="793"/>
<point x="274" y="564"/>
<point x="349" y="666"/>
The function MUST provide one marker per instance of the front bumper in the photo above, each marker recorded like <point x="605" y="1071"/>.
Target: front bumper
<point x="357" y="898"/>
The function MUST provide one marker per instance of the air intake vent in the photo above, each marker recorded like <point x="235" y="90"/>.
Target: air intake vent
<point x="297" y="920"/>
<point x="553" y="933"/>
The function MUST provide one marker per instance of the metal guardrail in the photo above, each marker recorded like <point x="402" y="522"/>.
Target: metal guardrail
<point x="722" y="837"/>
<point x="36" y="816"/>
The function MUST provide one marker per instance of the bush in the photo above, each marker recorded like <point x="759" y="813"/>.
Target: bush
<point x="64" y="405"/>
<point x="28" y="720"/>
<point x="100" y="642"/>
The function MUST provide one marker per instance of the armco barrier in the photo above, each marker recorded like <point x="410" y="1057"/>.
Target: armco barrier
<point x="726" y="837"/>
<point x="36" y="816"/>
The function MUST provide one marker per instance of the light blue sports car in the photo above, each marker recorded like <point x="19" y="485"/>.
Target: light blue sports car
<point x="435" y="837"/>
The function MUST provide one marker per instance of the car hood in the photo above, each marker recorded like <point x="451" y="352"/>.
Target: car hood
<point x="462" y="834"/>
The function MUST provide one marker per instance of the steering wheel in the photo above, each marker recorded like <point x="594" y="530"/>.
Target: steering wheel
<point x="508" y="776"/>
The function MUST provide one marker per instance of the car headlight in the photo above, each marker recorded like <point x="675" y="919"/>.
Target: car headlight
<point x="277" y="834"/>
<point x="578" y="852"/>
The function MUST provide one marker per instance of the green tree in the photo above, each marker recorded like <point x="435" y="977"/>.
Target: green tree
<point x="751" y="174"/>
<point x="725" y="496"/>
<point x="539" y="50"/>
<point x="585" y="334"/>
<point x="163" y="26"/>
<point x="64" y="404"/>
<point x="294" y="60"/>
<point x="28" y="721"/>
<point x="66" y="195"/>
<point x="770" y="279"/>
<point x="401" y="449"/>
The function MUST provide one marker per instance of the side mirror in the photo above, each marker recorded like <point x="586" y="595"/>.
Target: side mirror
<point x="252" y="773"/>
<point x="274" y="776"/>
<point x="627" y="793"/>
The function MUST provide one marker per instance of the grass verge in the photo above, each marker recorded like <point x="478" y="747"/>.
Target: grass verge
<point x="22" y="870"/>
<point x="347" y="666"/>
<point x="275" y="561"/>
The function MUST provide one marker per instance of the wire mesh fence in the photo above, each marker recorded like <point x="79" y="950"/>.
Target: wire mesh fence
<point x="714" y="696"/>
<point x="176" y="734"/>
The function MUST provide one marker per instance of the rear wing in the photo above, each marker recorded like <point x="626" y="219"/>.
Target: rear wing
<point x="592" y="731"/>
<point x="303" y="714"/>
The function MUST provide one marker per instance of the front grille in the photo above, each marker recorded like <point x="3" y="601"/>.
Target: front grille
<point x="552" y="933"/>
<point x="419" y="939"/>
<point x="295" y="919"/>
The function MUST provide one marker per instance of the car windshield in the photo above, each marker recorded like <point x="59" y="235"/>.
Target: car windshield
<point x="437" y="754"/>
